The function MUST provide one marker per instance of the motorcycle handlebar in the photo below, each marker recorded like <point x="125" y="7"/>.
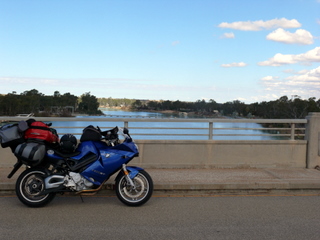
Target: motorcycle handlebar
<point x="113" y="133"/>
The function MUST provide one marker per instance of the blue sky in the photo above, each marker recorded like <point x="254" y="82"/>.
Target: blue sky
<point x="185" y="50"/>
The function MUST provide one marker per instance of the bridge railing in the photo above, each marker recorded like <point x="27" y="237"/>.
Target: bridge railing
<point x="184" y="129"/>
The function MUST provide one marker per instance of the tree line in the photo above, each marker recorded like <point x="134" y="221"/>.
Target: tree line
<point x="33" y="101"/>
<point x="282" y="108"/>
<point x="116" y="102"/>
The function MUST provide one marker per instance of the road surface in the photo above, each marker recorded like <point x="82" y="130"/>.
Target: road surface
<point x="214" y="217"/>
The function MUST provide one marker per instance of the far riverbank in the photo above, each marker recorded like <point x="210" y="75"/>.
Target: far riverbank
<point x="155" y="113"/>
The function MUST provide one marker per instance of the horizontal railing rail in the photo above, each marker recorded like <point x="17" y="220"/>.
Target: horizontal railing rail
<point x="182" y="128"/>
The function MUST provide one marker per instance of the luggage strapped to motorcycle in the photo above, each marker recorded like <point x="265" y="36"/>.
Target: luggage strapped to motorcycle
<point x="30" y="153"/>
<point x="90" y="133"/>
<point x="40" y="132"/>
<point x="11" y="135"/>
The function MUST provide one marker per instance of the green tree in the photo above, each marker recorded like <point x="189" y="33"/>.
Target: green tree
<point x="89" y="104"/>
<point x="166" y="105"/>
<point x="32" y="100"/>
<point x="153" y="105"/>
<point x="137" y="104"/>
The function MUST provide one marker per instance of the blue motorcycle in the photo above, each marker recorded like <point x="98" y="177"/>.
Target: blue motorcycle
<point x="83" y="170"/>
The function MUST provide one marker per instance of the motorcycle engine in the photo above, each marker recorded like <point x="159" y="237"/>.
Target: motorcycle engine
<point x="76" y="182"/>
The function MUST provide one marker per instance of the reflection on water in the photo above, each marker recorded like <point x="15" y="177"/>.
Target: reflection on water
<point x="201" y="133"/>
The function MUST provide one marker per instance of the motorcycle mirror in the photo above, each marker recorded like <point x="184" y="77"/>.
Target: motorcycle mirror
<point x="125" y="131"/>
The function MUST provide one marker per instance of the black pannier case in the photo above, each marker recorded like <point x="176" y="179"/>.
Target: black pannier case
<point x="30" y="153"/>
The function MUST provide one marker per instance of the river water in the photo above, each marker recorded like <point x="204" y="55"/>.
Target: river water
<point x="179" y="128"/>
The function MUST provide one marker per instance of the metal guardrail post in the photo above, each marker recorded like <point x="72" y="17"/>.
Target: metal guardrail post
<point x="292" y="131"/>
<point x="126" y="124"/>
<point x="210" y="130"/>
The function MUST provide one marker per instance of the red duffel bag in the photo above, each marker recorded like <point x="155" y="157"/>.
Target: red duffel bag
<point x="39" y="131"/>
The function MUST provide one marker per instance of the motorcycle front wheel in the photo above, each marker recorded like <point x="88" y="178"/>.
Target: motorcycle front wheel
<point x="30" y="185"/>
<point x="137" y="195"/>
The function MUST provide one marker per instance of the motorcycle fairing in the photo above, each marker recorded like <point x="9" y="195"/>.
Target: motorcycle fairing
<point x="110" y="161"/>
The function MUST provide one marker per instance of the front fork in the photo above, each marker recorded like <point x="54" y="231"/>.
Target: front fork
<point x="127" y="175"/>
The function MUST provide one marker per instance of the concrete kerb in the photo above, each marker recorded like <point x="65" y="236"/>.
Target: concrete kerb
<point x="215" y="181"/>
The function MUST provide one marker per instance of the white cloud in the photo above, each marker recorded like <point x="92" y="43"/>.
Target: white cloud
<point x="300" y="36"/>
<point x="26" y="80"/>
<point x="278" y="60"/>
<point x="305" y="83"/>
<point x="269" y="78"/>
<point x="288" y="71"/>
<point x="306" y="76"/>
<point x="302" y="71"/>
<point x="228" y="35"/>
<point x="261" y="25"/>
<point x="282" y="59"/>
<point x="240" y="64"/>
<point x="266" y="97"/>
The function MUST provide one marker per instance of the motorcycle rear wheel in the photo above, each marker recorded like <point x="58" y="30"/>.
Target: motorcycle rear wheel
<point x="30" y="185"/>
<point x="138" y="195"/>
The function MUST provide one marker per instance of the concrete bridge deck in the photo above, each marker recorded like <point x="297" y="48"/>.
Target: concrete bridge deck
<point x="210" y="167"/>
<point x="216" y="181"/>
